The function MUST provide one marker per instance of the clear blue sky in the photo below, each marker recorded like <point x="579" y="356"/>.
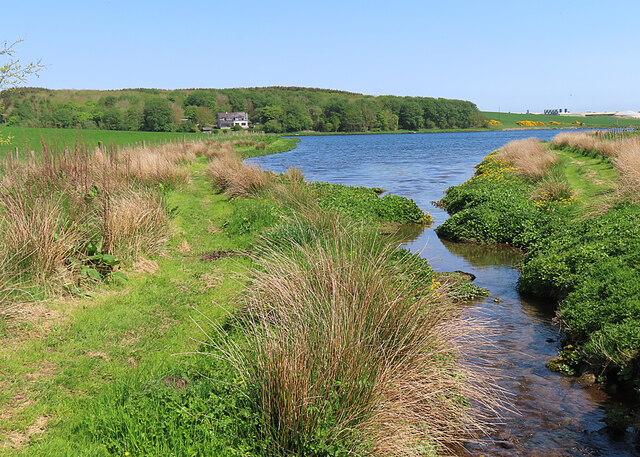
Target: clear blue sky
<point x="507" y="55"/>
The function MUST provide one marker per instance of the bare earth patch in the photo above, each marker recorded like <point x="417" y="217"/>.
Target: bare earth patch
<point x="216" y="254"/>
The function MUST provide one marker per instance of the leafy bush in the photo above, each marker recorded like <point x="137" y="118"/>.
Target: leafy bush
<point x="363" y="203"/>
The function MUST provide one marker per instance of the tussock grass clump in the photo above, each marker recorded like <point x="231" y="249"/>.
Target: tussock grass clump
<point x="217" y="149"/>
<point x="553" y="187"/>
<point x="234" y="178"/>
<point x="530" y="157"/>
<point x="343" y="354"/>
<point x="36" y="234"/>
<point x="294" y="174"/>
<point x="627" y="161"/>
<point x="135" y="224"/>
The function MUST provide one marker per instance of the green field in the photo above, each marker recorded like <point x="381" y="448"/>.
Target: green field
<point x="509" y="120"/>
<point x="31" y="139"/>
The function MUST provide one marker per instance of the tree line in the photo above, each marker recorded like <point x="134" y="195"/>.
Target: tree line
<point x="271" y="109"/>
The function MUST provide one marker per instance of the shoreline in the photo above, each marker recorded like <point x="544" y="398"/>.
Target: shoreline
<point x="400" y="132"/>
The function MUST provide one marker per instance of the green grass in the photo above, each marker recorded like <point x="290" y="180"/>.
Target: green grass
<point x="128" y="334"/>
<point x="509" y="120"/>
<point x="30" y="139"/>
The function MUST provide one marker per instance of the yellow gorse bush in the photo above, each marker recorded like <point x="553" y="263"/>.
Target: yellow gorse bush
<point x="530" y="123"/>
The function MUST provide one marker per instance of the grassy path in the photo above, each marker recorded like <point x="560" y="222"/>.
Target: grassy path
<point x="71" y="357"/>
<point x="593" y="179"/>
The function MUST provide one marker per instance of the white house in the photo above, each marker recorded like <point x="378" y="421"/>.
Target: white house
<point x="229" y="120"/>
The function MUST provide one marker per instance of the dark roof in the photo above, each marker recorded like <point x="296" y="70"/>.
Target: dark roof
<point x="226" y="115"/>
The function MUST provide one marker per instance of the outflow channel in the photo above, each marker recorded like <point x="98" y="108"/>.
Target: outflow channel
<point x="556" y="416"/>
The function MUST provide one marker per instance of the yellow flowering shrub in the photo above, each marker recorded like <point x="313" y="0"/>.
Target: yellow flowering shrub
<point x="530" y="123"/>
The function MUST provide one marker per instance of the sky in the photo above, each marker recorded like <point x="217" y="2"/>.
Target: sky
<point x="509" y="56"/>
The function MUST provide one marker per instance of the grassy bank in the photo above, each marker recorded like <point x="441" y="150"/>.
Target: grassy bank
<point x="510" y="120"/>
<point x="575" y="212"/>
<point x="281" y="293"/>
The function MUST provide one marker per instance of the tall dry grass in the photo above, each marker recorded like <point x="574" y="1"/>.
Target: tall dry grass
<point x="587" y="141"/>
<point x="530" y="157"/>
<point x="54" y="205"/>
<point x="627" y="161"/>
<point x="135" y="225"/>
<point x="235" y="178"/>
<point x="294" y="175"/>
<point x="35" y="233"/>
<point x="341" y="352"/>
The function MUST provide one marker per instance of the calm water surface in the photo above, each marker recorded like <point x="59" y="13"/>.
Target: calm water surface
<point x="556" y="417"/>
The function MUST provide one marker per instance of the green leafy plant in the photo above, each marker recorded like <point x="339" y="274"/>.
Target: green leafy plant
<point x="99" y="266"/>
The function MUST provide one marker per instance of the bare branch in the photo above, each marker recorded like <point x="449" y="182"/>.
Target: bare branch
<point x="12" y="71"/>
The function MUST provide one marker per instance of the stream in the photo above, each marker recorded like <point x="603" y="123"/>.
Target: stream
<point x="555" y="415"/>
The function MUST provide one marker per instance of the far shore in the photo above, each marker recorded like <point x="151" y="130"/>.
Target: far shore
<point x="393" y="132"/>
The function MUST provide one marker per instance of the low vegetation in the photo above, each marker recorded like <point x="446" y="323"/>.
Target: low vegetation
<point x="579" y="225"/>
<point x="321" y="336"/>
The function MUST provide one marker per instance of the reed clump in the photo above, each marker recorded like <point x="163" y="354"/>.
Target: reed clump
<point x="234" y="178"/>
<point x="529" y="157"/>
<point x="343" y="351"/>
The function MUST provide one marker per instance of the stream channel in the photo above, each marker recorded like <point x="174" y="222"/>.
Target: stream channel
<point x="555" y="415"/>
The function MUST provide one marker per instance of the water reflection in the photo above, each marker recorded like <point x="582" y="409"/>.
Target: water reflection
<point x="484" y="255"/>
